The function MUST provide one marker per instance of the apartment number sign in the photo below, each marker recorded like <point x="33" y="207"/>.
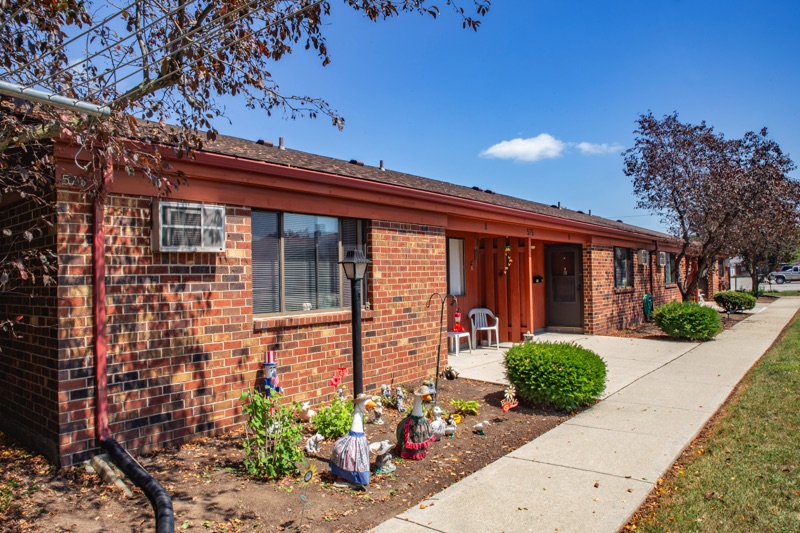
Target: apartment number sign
<point x="73" y="182"/>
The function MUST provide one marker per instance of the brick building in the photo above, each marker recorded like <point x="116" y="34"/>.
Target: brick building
<point x="182" y="298"/>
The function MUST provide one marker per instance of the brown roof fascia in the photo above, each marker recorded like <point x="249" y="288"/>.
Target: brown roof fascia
<point x="470" y="208"/>
<point x="389" y="192"/>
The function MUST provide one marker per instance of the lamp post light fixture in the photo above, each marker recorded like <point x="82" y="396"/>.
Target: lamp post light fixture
<point x="355" y="267"/>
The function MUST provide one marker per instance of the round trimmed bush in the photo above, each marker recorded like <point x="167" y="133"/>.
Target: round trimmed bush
<point x="688" y="320"/>
<point x="734" y="301"/>
<point x="557" y="374"/>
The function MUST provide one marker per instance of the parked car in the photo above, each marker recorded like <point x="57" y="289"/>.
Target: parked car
<point x="785" y="273"/>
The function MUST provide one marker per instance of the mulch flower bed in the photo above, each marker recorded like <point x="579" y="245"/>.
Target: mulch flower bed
<point x="210" y="493"/>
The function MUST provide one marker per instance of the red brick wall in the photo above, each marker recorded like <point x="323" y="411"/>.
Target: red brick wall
<point x="607" y="308"/>
<point x="183" y="343"/>
<point x="29" y="371"/>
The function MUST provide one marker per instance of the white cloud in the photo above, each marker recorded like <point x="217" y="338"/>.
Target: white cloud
<point x="543" y="146"/>
<point x="598" y="149"/>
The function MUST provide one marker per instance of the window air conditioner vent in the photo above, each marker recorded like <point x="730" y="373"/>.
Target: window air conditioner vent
<point x="184" y="227"/>
<point x="644" y="257"/>
<point x="662" y="259"/>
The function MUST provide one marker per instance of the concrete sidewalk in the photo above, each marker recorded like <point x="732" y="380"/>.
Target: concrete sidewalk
<point x="592" y="472"/>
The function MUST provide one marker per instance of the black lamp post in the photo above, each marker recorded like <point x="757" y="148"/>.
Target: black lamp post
<point x="355" y="267"/>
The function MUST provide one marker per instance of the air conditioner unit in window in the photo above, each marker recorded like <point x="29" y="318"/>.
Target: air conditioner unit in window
<point x="662" y="259"/>
<point x="185" y="227"/>
<point x="644" y="257"/>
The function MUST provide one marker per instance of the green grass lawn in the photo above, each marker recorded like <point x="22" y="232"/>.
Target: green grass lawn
<point x="745" y="474"/>
<point x="780" y="293"/>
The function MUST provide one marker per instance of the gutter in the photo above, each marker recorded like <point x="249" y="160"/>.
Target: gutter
<point x="56" y="100"/>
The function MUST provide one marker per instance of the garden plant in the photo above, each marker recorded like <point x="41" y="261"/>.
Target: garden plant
<point x="735" y="301"/>
<point x="688" y="320"/>
<point x="272" y="436"/>
<point x="334" y="420"/>
<point x="558" y="374"/>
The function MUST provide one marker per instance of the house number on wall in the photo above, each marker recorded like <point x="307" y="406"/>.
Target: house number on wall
<point x="68" y="180"/>
<point x="530" y="232"/>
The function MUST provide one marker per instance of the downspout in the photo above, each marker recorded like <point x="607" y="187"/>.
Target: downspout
<point x="159" y="498"/>
<point x="653" y="258"/>
<point x="99" y="302"/>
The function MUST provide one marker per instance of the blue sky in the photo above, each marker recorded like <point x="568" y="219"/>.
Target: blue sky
<point x="540" y="101"/>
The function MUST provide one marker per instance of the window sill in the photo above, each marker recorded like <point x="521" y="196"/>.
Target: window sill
<point x="623" y="290"/>
<point x="670" y="285"/>
<point x="336" y="316"/>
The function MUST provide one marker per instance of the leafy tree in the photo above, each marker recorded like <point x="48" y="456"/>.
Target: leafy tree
<point x="682" y="172"/>
<point x="768" y="232"/>
<point x="166" y="61"/>
<point x="716" y="195"/>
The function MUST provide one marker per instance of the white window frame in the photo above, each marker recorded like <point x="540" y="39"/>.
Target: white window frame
<point x="456" y="266"/>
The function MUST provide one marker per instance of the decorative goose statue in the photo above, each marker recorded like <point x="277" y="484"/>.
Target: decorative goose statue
<point x="414" y="433"/>
<point x="350" y="456"/>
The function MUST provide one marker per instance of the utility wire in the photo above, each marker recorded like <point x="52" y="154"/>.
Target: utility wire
<point x="192" y="63"/>
<point x="209" y="31"/>
<point x="102" y="50"/>
<point x="15" y="13"/>
<point x="70" y="41"/>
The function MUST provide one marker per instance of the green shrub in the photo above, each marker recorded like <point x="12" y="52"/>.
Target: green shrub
<point x="272" y="436"/>
<point x="558" y="374"/>
<point x="688" y="320"/>
<point x="733" y="301"/>
<point x="335" y="420"/>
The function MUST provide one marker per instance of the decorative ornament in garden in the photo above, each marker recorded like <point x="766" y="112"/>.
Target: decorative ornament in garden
<point x="271" y="381"/>
<point x="414" y="431"/>
<point x="312" y="444"/>
<point x="383" y="452"/>
<point x="378" y="412"/>
<point x="450" y="428"/>
<point x="430" y="383"/>
<point x="438" y="425"/>
<point x="401" y="400"/>
<point x="480" y="427"/>
<point x="450" y="373"/>
<point x="350" y="456"/>
<point x="306" y="412"/>
<point x="510" y="399"/>
<point x="386" y="391"/>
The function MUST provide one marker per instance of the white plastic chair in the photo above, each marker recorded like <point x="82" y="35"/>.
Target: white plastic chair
<point x="479" y="318"/>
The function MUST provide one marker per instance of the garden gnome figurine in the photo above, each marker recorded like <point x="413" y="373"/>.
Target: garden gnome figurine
<point x="414" y="431"/>
<point x="383" y="462"/>
<point x="386" y="391"/>
<point x="378" y="412"/>
<point x="401" y="405"/>
<point x="350" y="456"/>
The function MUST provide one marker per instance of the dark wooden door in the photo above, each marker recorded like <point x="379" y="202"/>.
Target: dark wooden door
<point x="564" y="285"/>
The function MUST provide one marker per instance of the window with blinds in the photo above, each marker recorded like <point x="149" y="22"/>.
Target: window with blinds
<point x="623" y="271"/>
<point x="296" y="261"/>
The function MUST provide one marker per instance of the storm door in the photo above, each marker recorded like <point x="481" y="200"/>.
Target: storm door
<point x="564" y="285"/>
